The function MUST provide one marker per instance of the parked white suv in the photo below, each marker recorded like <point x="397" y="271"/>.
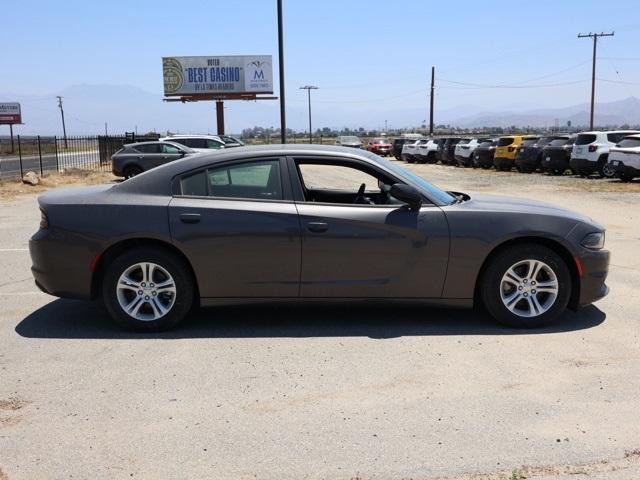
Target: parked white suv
<point x="463" y="152"/>
<point x="410" y="149"/>
<point x="624" y="158"/>
<point x="426" y="151"/>
<point x="591" y="151"/>
<point x="204" y="143"/>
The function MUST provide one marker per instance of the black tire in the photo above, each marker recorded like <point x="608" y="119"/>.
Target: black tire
<point x="131" y="171"/>
<point x="604" y="169"/>
<point x="174" y="265"/>
<point x="491" y="287"/>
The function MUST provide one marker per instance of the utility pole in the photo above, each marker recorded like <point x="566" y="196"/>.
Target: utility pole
<point x="283" y="120"/>
<point x="308" y="88"/>
<point x="595" y="37"/>
<point x="64" y="128"/>
<point x="433" y="77"/>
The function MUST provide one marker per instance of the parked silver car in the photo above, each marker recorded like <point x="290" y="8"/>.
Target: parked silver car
<point x="135" y="158"/>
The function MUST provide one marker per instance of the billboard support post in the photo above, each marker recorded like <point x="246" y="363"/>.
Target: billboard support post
<point x="11" y="133"/>
<point x="220" y="116"/>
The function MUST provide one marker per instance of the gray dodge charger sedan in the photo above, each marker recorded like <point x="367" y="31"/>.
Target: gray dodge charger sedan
<point x="309" y="222"/>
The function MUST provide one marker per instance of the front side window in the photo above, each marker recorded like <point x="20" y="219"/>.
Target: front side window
<point x="170" y="149"/>
<point x="213" y="145"/>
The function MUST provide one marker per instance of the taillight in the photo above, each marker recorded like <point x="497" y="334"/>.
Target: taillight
<point x="511" y="149"/>
<point x="593" y="148"/>
<point x="44" y="221"/>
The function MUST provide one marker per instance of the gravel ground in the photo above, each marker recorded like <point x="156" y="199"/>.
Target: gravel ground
<point x="335" y="392"/>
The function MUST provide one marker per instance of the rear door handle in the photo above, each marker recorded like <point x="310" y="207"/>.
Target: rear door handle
<point x="190" y="217"/>
<point x="317" y="227"/>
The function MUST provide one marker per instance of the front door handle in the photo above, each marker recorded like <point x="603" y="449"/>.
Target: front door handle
<point x="190" y="217"/>
<point x="318" y="227"/>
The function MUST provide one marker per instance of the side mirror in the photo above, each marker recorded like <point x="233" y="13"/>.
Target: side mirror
<point x="406" y="194"/>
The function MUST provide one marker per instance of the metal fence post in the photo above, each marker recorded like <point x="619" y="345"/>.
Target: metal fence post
<point x="20" y="157"/>
<point x="55" y="141"/>
<point x="40" y="155"/>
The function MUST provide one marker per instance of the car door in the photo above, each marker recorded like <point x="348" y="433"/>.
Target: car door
<point x="238" y="225"/>
<point x="364" y="250"/>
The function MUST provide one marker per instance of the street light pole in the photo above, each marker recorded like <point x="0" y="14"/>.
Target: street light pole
<point x="308" y="88"/>
<point x="283" y="120"/>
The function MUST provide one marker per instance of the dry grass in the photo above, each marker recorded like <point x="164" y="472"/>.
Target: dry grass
<point x="70" y="177"/>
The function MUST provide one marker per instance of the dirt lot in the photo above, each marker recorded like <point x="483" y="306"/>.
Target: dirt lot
<point x="339" y="392"/>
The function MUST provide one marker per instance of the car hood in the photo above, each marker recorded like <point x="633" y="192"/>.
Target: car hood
<point x="497" y="203"/>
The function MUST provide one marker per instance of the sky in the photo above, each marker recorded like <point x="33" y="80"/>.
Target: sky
<point x="367" y="58"/>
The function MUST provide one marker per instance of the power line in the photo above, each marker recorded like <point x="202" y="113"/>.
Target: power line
<point x="595" y="37"/>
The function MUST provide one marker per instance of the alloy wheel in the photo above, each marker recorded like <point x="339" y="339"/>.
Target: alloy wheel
<point x="146" y="291"/>
<point x="529" y="288"/>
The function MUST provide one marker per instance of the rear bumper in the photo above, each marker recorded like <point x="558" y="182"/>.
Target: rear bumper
<point x="554" y="161"/>
<point x="60" y="265"/>
<point x="529" y="161"/>
<point x="483" y="159"/>
<point x="583" y="165"/>
<point x="503" y="162"/>
<point x="595" y="268"/>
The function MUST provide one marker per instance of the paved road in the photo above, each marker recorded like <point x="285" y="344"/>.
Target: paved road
<point x="331" y="392"/>
<point x="10" y="165"/>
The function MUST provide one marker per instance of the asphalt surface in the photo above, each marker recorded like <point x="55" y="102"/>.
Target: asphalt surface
<point x="325" y="391"/>
<point x="10" y="164"/>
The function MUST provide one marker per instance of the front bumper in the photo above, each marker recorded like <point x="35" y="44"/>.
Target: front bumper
<point x="623" y="170"/>
<point x="462" y="160"/>
<point x="595" y="268"/>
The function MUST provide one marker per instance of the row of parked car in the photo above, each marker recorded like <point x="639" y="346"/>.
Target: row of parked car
<point x="607" y="153"/>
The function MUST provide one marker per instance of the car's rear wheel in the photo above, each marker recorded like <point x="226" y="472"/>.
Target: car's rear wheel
<point x="526" y="286"/>
<point x="147" y="289"/>
<point x="131" y="171"/>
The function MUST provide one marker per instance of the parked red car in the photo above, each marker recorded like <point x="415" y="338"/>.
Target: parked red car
<point x="380" y="146"/>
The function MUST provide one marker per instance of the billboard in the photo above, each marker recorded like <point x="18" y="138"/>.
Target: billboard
<point x="217" y="75"/>
<point x="10" y="113"/>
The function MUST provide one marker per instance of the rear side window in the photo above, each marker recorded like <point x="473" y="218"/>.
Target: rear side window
<point x="629" y="143"/>
<point x="503" y="142"/>
<point x="585" y="139"/>
<point x="149" y="148"/>
<point x="616" y="137"/>
<point x="254" y="180"/>
<point x="195" y="185"/>
<point x="183" y="141"/>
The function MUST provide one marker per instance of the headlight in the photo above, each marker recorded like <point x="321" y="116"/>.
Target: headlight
<point x="593" y="241"/>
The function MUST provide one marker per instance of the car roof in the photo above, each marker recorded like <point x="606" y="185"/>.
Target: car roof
<point x="191" y="136"/>
<point x="596" y="132"/>
<point x="151" y="142"/>
<point x="154" y="181"/>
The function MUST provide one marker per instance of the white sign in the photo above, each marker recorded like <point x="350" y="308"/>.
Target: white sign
<point x="10" y="113"/>
<point x="217" y="74"/>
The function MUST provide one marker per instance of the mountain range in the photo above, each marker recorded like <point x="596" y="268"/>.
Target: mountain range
<point x="128" y="108"/>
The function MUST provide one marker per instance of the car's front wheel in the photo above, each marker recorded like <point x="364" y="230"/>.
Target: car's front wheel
<point x="147" y="289"/>
<point x="526" y="286"/>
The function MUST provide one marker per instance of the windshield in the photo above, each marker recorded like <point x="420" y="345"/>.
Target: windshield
<point x="529" y="142"/>
<point x="440" y="195"/>
<point x="381" y="141"/>
<point x="544" y="141"/>
<point x="629" y="143"/>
